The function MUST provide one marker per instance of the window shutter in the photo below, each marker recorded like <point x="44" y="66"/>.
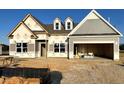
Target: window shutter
<point x="37" y="47"/>
<point x="30" y="47"/>
<point x="51" y="47"/>
<point x="12" y="47"/>
<point x="66" y="47"/>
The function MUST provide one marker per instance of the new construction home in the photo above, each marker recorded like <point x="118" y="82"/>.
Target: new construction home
<point x="92" y="37"/>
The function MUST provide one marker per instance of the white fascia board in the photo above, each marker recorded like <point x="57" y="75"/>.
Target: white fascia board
<point x="89" y="42"/>
<point x="116" y="36"/>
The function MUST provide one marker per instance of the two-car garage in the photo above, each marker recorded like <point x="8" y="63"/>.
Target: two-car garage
<point x="103" y="50"/>
<point x="94" y="36"/>
<point x="104" y="47"/>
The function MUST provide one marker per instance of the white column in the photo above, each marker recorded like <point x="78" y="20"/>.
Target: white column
<point x="71" y="49"/>
<point x="34" y="48"/>
<point x="116" y="49"/>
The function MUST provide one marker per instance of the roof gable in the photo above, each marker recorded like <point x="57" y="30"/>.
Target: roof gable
<point x="94" y="24"/>
<point x="68" y="18"/>
<point x="34" y="24"/>
<point x="24" y="26"/>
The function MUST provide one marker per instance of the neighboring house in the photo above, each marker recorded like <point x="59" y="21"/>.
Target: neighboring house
<point x="31" y="38"/>
<point x="4" y="49"/>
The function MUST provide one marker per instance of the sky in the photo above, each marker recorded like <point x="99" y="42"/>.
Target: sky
<point x="9" y="18"/>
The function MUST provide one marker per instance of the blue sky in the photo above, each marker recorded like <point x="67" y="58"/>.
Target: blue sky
<point x="9" y="18"/>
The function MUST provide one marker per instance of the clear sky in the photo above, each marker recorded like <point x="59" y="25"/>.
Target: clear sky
<point x="9" y="18"/>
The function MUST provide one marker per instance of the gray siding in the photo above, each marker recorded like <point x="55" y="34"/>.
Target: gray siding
<point x="95" y="26"/>
<point x="81" y="38"/>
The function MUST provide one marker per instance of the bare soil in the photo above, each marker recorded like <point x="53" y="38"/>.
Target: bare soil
<point x="78" y="71"/>
<point x="19" y="80"/>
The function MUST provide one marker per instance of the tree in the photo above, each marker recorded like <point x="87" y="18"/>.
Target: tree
<point x="122" y="47"/>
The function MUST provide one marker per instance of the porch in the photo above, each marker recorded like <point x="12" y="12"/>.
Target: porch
<point x="41" y="47"/>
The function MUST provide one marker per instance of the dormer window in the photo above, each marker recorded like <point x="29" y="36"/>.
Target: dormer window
<point x="68" y="24"/>
<point x="57" y="24"/>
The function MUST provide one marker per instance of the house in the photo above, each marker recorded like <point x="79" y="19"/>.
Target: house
<point x="93" y="36"/>
<point x="4" y="49"/>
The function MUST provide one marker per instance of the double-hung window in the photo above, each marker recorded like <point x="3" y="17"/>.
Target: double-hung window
<point x="68" y="25"/>
<point x="57" y="26"/>
<point x="24" y="47"/>
<point x="21" y="47"/>
<point x="62" y="47"/>
<point x="18" y="47"/>
<point x="56" y="47"/>
<point x="59" y="47"/>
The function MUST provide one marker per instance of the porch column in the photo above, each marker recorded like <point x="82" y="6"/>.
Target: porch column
<point x="46" y="45"/>
<point x="71" y="49"/>
<point x="116" y="49"/>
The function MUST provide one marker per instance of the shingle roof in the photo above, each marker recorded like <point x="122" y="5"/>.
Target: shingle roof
<point x="58" y="32"/>
<point x="95" y="27"/>
<point x="21" y="23"/>
<point x="42" y="24"/>
<point x="89" y="27"/>
<point x="49" y="28"/>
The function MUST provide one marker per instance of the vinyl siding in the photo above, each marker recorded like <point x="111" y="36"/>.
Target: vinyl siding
<point x="95" y="26"/>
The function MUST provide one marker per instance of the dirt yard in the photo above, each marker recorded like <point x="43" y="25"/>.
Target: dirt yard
<point x="78" y="71"/>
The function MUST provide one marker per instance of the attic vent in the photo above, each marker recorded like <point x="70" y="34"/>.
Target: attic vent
<point x="28" y="24"/>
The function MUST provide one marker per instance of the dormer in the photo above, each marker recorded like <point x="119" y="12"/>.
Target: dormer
<point x="57" y="24"/>
<point x="68" y="23"/>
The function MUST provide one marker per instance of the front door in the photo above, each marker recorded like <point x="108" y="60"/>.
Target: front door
<point x="43" y="50"/>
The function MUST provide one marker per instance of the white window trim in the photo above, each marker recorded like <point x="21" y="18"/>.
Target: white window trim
<point x="66" y="25"/>
<point x="57" y="20"/>
<point x="18" y="47"/>
<point x="21" y="48"/>
<point x="54" y="47"/>
<point x="56" y="25"/>
<point x="59" y="26"/>
<point x="59" y="48"/>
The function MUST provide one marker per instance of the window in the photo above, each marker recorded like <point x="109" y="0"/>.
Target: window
<point x="62" y="47"/>
<point x="68" y="25"/>
<point x="57" y="26"/>
<point x="18" y="45"/>
<point x="21" y="47"/>
<point x="24" y="47"/>
<point x="56" y="47"/>
<point x="59" y="47"/>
